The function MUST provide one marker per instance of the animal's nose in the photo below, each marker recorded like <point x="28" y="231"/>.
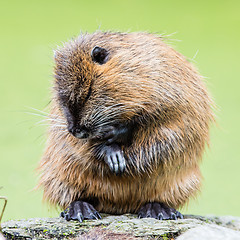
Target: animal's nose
<point x="78" y="131"/>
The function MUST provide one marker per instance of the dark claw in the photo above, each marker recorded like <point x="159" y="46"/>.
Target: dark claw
<point x="173" y="216"/>
<point x="179" y="215"/>
<point x="65" y="214"/>
<point x="159" y="211"/>
<point x="66" y="217"/>
<point x="98" y="215"/>
<point x="80" y="217"/>
<point x="160" y="216"/>
<point x="79" y="210"/>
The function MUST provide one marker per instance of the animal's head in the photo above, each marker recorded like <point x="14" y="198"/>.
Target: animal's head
<point x="102" y="79"/>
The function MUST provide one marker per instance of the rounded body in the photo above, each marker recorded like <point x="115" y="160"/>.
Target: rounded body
<point x="109" y="80"/>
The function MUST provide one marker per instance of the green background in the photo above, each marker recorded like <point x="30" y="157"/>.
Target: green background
<point x="30" y="30"/>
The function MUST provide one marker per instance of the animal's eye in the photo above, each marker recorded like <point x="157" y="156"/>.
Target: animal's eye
<point x="99" y="55"/>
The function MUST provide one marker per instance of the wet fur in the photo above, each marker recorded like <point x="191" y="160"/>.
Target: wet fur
<point x="144" y="83"/>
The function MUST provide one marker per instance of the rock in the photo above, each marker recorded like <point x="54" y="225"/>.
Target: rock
<point x="126" y="226"/>
<point x="1" y="237"/>
<point x="226" y="221"/>
<point x="210" y="233"/>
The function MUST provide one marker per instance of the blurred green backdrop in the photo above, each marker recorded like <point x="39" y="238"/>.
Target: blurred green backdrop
<point x="29" y="30"/>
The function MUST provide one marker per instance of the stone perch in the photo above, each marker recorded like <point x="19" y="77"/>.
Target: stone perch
<point x="126" y="226"/>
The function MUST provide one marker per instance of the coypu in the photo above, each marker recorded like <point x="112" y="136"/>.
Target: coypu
<point x="130" y="120"/>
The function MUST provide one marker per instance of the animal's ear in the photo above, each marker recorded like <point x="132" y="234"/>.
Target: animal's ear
<point x="99" y="55"/>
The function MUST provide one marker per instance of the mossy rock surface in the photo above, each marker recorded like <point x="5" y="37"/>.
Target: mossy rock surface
<point x="124" y="227"/>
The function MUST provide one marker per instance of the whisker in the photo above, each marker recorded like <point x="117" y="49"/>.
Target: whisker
<point x="53" y="120"/>
<point x="38" y="111"/>
<point x="36" y="114"/>
<point x="42" y="113"/>
<point x="52" y="125"/>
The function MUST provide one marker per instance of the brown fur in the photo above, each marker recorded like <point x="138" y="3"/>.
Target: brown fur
<point x="146" y="80"/>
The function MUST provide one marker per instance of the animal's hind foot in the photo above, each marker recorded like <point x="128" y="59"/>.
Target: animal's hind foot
<point x="159" y="211"/>
<point x="80" y="210"/>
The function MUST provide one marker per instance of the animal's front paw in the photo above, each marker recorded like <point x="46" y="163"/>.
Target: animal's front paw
<point x="79" y="210"/>
<point x="159" y="211"/>
<point x="119" y="133"/>
<point x="113" y="156"/>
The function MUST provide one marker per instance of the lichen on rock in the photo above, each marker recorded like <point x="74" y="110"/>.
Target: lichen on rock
<point x="125" y="226"/>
